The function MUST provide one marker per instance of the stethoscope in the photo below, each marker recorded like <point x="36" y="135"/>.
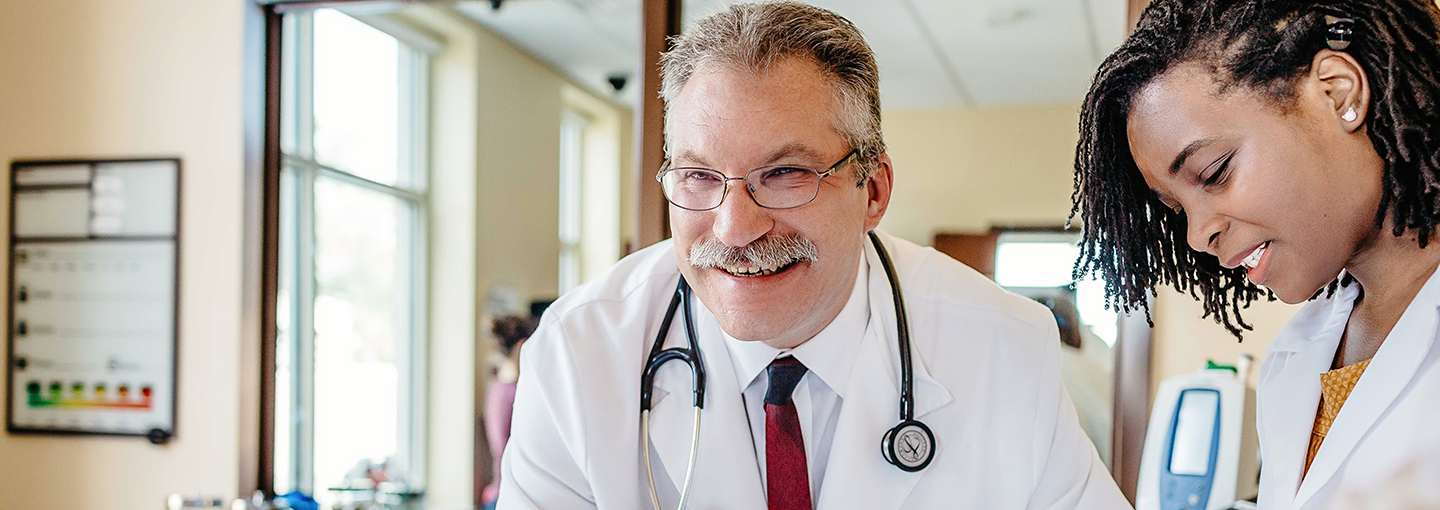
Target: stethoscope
<point x="909" y="446"/>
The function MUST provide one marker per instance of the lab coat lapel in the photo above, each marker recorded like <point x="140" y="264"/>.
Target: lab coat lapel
<point x="726" y="473"/>
<point x="856" y="475"/>
<point x="1390" y="371"/>
<point x="1288" y="408"/>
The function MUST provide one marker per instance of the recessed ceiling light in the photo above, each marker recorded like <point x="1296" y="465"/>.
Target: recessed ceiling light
<point x="1009" y="16"/>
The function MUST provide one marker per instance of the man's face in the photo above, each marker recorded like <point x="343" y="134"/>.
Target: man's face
<point x="734" y="122"/>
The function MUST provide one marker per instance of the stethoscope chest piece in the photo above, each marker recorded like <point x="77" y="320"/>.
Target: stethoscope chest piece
<point x="910" y="446"/>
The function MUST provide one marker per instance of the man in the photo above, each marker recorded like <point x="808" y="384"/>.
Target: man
<point x="777" y="173"/>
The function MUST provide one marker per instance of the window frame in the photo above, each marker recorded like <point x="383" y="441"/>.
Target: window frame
<point x="299" y="171"/>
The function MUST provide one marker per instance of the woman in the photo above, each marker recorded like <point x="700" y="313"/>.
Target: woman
<point x="1294" y="145"/>
<point x="511" y="332"/>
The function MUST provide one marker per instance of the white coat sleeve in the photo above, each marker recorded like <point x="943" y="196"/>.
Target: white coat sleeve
<point x="1070" y="475"/>
<point x="543" y="465"/>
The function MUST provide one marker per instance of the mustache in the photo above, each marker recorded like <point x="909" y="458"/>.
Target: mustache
<point x="768" y="251"/>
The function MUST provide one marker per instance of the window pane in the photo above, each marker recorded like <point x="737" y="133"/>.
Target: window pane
<point x="356" y="97"/>
<point x="286" y="479"/>
<point x="572" y="132"/>
<point x="362" y="325"/>
<point x="1049" y="264"/>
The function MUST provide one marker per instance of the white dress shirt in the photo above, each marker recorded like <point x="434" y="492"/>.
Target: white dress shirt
<point x="829" y="358"/>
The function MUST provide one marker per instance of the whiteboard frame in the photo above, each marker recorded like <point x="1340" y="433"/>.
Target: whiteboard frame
<point x="15" y="166"/>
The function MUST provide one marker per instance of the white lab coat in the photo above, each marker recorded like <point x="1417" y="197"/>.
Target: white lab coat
<point x="1389" y="422"/>
<point x="987" y="382"/>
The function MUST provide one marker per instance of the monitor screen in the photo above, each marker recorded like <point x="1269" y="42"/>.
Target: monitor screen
<point x="1194" y="432"/>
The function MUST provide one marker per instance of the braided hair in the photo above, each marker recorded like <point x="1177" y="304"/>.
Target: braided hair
<point x="1135" y="242"/>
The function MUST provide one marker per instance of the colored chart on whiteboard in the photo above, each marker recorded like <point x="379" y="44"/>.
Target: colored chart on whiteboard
<point x="93" y="297"/>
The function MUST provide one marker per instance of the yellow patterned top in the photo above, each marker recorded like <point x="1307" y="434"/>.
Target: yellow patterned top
<point x="1335" y="387"/>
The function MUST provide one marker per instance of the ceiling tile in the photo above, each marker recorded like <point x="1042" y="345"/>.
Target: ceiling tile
<point x="1005" y="52"/>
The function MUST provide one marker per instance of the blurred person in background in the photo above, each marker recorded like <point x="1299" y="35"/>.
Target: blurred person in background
<point x="511" y="333"/>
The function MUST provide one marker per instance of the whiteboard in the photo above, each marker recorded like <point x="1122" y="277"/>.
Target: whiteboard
<point x="93" y="279"/>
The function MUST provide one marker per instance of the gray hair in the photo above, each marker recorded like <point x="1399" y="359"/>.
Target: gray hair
<point x="752" y="37"/>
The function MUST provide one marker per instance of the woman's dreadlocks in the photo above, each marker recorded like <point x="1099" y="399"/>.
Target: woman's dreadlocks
<point x="1264" y="46"/>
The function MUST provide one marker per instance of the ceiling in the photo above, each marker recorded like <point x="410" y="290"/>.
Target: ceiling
<point x="933" y="54"/>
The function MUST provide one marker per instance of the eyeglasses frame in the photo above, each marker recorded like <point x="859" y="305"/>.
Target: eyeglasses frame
<point x="848" y="160"/>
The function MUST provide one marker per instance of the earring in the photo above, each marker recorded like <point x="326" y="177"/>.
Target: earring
<point x="1349" y="115"/>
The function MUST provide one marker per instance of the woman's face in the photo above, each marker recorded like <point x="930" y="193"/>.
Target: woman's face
<point x="1291" y="194"/>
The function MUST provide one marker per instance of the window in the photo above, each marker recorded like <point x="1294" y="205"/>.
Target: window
<point x="349" y="385"/>
<point x="572" y="156"/>
<point x="1045" y="260"/>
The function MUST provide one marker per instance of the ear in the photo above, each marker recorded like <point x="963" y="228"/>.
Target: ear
<point x="879" y="187"/>
<point x="1344" y="86"/>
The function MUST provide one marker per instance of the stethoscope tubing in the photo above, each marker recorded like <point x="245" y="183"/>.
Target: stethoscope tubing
<point x="902" y="326"/>
<point x="690" y="355"/>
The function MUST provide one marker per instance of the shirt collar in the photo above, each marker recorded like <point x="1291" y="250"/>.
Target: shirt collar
<point x="830" y="354"/>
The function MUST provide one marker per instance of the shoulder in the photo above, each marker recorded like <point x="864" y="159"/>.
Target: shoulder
<point x="602" y="324"/>
<point x="636" y="272"/>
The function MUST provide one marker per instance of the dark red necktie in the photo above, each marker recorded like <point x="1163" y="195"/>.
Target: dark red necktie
<point x="787" y="475"/>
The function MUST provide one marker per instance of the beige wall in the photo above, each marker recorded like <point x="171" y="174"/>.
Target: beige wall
<point x="518" y="171"/>
<point x="968" y="170"/>
<point x="101" y="78"/>
<point x="1183" y="341"/>
<point x="450" y="380"/>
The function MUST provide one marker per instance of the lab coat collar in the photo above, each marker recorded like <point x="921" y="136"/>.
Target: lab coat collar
<point x="1320" y="323"/>
<point x="1389" y="373"/>
<point x="830" y="354"/>
<point x="857" y="476"/>
<point x="1302" y="351"/>
<point x="929" y="393"/>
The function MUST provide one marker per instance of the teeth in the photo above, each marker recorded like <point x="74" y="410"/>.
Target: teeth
<point x="1251" y="261"/>
<point x="754" y="271"/>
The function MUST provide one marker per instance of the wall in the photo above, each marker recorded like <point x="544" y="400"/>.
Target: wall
<point x="518" y="171"/>
<point x="1183" y="341"/>
<point x="103" y="78"/>
<point x="452" y="248"/>
<point x="966" y="170"/>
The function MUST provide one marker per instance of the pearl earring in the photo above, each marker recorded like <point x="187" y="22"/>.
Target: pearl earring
<point x="1349" y="115"/>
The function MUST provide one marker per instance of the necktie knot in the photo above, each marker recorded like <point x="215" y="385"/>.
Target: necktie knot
<point x="784" y="374"/>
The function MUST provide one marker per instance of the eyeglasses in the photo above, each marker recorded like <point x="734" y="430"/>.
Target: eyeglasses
<point x="771" y="187"/>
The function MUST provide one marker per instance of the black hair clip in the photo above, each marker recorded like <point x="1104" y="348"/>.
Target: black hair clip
<point x="1339" y="33"/>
